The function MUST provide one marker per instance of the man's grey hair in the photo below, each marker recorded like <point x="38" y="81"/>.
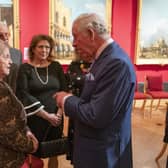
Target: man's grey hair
<point x="91" y="20"/>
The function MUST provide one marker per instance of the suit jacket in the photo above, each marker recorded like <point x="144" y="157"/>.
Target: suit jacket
<point x="16" y="57"/>
<point x="102" y="114"/>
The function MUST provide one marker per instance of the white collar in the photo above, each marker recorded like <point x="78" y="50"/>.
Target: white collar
<point x="102" y="47"/>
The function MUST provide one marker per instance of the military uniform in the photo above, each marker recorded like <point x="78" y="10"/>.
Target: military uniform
<point x="75" y="79"/>
<point x="14" y="143"/>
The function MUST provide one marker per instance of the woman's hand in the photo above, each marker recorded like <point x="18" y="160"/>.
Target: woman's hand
<point x="59" y="114"/>
<point x="55" y="119"/>
<point x="52" y="118"/>
<point x="31" y="136"/>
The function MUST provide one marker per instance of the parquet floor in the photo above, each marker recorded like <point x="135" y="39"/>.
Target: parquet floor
<point x="147" y="135"/>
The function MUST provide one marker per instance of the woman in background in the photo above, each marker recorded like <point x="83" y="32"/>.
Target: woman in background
<point x="39" y="79"/>
<point x="15" y="138"/>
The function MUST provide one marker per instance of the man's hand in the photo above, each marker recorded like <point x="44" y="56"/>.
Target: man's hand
<point x="59" y="97"/>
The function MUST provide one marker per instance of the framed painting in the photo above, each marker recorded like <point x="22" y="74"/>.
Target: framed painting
<point x="152" y="32"/>
<point x="62" y="13"/>
<point x="9" y="14"/>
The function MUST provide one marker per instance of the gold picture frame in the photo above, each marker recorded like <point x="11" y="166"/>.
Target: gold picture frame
<point x="16" y="23"/>
<point x="61" y="16"/>
<point x="151" y="33"/>
<point x="9" y="13"/>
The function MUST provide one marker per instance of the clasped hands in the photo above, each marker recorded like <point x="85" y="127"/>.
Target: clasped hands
<point x="55" y="119"/>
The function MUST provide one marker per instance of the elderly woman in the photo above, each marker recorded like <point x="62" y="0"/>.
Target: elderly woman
<point x="15" y="138"/>
<point x="41" y="77"/>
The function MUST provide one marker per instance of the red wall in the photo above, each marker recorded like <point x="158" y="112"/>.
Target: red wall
<point x="123" y="24"/>
<point x="34" y="19"/>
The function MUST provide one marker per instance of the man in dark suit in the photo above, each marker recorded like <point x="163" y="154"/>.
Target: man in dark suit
<point x="16" y="56"/>
<point x="102" y="114"/>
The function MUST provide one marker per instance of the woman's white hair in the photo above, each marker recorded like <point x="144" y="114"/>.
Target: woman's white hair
<point x="3" y="46"/>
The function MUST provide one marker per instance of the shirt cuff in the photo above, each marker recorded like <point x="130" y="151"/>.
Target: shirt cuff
<point x="64" y="99"/>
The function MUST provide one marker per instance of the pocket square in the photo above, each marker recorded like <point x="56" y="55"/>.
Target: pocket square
<point x="90" y="77"/>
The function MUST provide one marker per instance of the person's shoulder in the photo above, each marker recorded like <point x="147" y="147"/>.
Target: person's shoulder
<point x="55" y="63"/>
<point x="15" y="50"/>
<point x="56" y="66"/>
<point x="16" y="56"/>
<point x="75" y="63"/>
<point x="25" y="67"/>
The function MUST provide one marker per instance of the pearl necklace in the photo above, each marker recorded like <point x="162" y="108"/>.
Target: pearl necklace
<point x="38" y="76"/>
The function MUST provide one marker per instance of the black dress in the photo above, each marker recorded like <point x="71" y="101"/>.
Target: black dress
<point x="36" y="93"/>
